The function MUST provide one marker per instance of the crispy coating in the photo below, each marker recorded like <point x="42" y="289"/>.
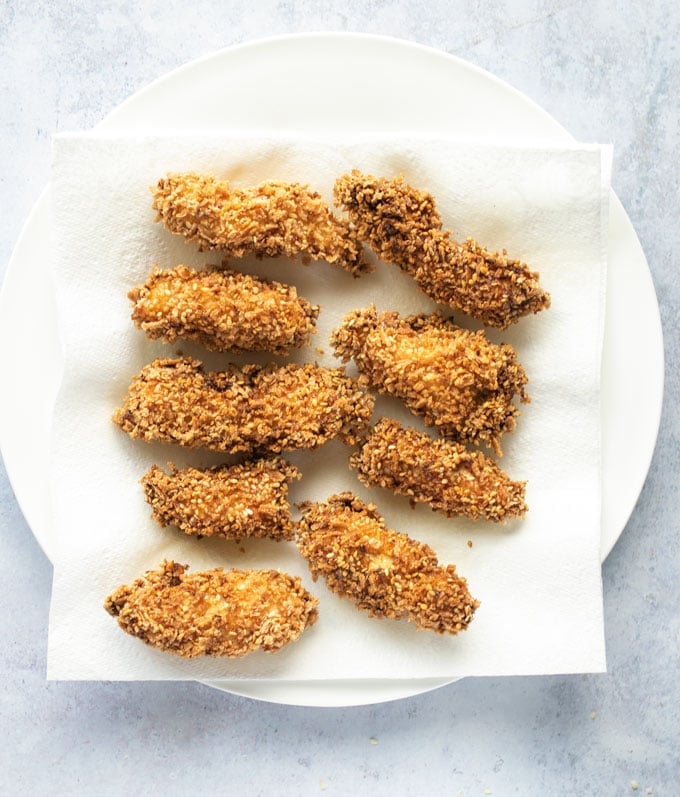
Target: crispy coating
<point x="249" y="499"/>
<point x="249" y="408"/>
<point x="270" y="219"/>
<point x="457" y="380"/>
<point x="223" y="310"/>
<point x="386" y="573"/>
<point x="402" y="226"/>
<point x="213" y="612"/>
<point x="443" y="474"/>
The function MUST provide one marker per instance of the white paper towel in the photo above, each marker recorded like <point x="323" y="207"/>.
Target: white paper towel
<point x="538" y="579"/>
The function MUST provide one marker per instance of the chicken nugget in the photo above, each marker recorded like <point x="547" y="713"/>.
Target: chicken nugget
<point x="402" y="226"/>
<point x="441" y="473"/>
<point x="244" y="500"/>
<point x="223" y="310"/>
<point x="270" y="219"/>
<point x="385" y="572"/>
<point x="244" y="408"/>
<point x="457" y="380"/>
<point x="213" y="612"/>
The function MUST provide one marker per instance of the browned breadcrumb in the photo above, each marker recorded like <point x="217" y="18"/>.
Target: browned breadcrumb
<point x="222" y="309"/>
<point x="247" y="408"/>
<point x="402" y="226"/>
<point x="469" y="543"/>
<point x="443" y="474"/>
<point x="457" y="380"/>
<point x="386" y="573"/>
<point x="249" y="499"/>
<point x="270" y="219"/>
<point x="214" y="612"/>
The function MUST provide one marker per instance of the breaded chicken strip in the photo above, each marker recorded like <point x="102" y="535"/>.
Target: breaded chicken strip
<point x="443" y="474"/>
<point x="224" y="310"/>
<point x="384" y="572"/>
<point x="245" y="500"/>
<point x="455" y="379"/>
<point x="270" y="219"/>
<point x="214" y="612"/>
<point x="402" y="226"/>
<point x="248" y="408"/>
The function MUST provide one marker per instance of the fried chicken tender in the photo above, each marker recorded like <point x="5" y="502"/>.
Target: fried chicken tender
<point x="223" y="310"/>
<point x="270" y="219"/>
<point x="443" y="474"/>
<point x="386" y="573"/>
<point x="213" y="612"/>
<point x="457" y="380"/>
<point x="244" y="500"/>
<point x="402" y="226"/>
<point x="249" y="408"/>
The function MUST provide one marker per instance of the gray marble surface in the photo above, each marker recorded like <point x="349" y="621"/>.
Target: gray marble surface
<point x="609" y="71"/>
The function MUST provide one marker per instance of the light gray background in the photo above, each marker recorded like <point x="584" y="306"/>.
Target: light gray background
<point x="609" y="72"/>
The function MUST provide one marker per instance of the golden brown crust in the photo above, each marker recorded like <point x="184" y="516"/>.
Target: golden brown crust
<point x="214" y="612"/>
<point x="249" y="408"/>
<point x="249" y="499"/>
<point x="443" y="474"/>
<point x="457" y="380"/>
<point x="223" y="310"/>
<point x="386" y="573"/>
<point x="402" y="226"/>
<point x="270" y="219"/>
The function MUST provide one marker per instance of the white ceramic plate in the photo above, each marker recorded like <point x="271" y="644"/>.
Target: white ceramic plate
<point x="316" y="83"/>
